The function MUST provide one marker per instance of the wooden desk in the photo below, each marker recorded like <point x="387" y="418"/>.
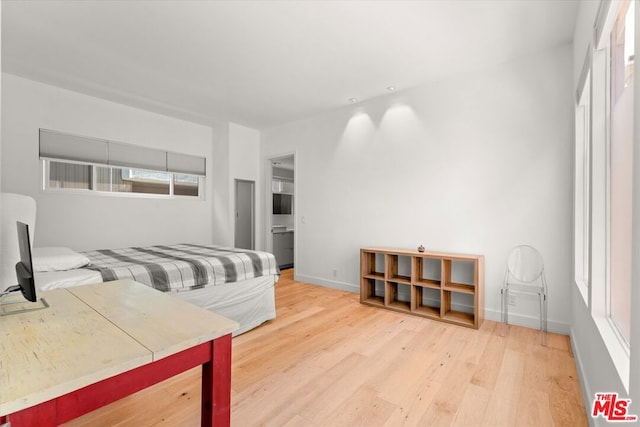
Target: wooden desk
<point x="98" y="343"/>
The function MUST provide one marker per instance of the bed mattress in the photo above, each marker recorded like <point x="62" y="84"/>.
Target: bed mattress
<point x="249" y="302"/>
<point x="183" y="267"/>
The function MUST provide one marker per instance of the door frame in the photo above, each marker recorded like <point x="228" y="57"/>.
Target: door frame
<point x="269" y="200"/>
<point x="253" y="211"/>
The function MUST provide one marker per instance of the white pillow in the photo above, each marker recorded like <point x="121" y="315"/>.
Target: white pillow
<point x="57" y="259"/>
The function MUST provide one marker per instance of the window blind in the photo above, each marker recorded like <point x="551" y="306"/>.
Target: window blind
<point x="134" y="156"/>
<point x="63" y="146"/>
<point x="58" y="145"/>
<point x="184" y="163"/>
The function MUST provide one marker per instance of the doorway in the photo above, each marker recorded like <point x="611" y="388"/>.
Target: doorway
<point x="245" y="214"/>
<point x="281" y="205"/>
<point x="281" y="211"/>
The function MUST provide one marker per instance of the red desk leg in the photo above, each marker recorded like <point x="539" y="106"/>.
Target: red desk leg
<point x="216" y="385"/>
<point x="76" y="403"/>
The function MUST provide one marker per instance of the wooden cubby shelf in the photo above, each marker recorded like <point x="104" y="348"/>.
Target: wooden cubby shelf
<point x="437" y="285"/>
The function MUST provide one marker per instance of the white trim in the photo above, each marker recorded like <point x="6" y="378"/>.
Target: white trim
<point x="583" y="288"/>
<point x="618" y="352"/>
<point x="584" y="73"/>
<point x="532" y="322"/>
<point x="333" y="284"/>
<point x="587" y="391"/>
<point x="605" y="19"/>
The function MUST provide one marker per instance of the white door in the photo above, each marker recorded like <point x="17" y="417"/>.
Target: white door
<point x="244" y="229"/>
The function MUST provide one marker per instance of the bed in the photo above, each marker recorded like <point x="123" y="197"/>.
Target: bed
<point x="235" y="283"/>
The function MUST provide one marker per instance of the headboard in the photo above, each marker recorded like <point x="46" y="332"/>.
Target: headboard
<point x="13" y="207"/>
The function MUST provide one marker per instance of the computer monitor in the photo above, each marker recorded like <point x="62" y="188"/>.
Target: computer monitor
<point x="24" y="268"/>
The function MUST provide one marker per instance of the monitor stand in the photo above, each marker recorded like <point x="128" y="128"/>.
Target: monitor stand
<point x="14" y="303"/>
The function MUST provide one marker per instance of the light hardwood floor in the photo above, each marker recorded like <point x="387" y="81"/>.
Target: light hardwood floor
<point x="327" y="360"/>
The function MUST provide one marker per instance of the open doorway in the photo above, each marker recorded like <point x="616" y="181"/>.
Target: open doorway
<point x="281" y="232"/>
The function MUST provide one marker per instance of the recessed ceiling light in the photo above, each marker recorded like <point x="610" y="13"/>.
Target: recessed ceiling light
<point x="391" y="88"/>
<point x="352" y="100"/>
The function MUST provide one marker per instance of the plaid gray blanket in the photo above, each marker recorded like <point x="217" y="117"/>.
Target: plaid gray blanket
<point x="181" y="267"/>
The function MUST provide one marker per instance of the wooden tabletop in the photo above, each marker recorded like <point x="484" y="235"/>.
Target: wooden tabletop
<point x="93" y="332"/>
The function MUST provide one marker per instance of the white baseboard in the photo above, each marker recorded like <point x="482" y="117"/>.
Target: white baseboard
<point x="342" y="286"/>
<point x="489" y="314"/>
<point x="532" y="322"/>
<point x="587" y="393"/>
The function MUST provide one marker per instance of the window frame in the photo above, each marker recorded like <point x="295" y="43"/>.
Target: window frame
<point x="599" y="181"/>
<point x="582" y="185"/>
<point x="621" y="7"/>
<point x="93" y="191"/>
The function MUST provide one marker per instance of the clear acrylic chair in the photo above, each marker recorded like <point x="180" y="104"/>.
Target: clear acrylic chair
<point x="525" y="276"/>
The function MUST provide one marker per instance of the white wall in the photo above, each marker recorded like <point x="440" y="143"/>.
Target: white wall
<point x="222" y="219"/>
<point x="476" y="163"/>
<point x="93" y="221"/>
<point x="244" y="147"/>
<point x="236" y="153"/>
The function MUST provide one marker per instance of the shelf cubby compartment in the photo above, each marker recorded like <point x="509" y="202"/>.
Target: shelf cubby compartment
<point x="460" y="276"/>
<point x="425" y="301"/>
<point x="372" y="264"/>
<point x="398" y="268"/>
<point x="372" y="289"/>
<point x="457" y="312"/>
<point x="427" y="272"/>
<point x="372" y="292"/>
<point x="397" y="296"/>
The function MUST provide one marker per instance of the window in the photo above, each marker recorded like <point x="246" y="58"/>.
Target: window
<point x="61" y="176"/>
<point x="603" y="197"/>
<point x="81" y="164"/>
<point x="621" y="168"/>
<point x="141" y="181"/>
<point x="69" y="175"/>
<point x="185" y="185"/>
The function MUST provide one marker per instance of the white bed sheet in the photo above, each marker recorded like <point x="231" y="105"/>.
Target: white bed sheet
<point x="249" y="302"/>
<point x="46" y="280"/>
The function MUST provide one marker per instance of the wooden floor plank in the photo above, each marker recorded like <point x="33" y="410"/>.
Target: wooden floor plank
<point x="328" y="360"/>
<point x="362" y="408"/>
<point x="473" y="406"/>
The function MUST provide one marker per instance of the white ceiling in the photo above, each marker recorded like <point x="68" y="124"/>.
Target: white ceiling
<point x="265" y="63"/>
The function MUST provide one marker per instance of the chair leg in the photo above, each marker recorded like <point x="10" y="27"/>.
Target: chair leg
<point x="505" y="312"/>
<point x="544" y="336"/>
<point x="543" y="319"/>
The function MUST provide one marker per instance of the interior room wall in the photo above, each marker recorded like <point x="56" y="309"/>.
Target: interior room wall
<point x="236" y="151"/>
<point x="221" y="179"/>
<point x="244" y="164"/>
<point x="98" y="221"/>
<point x="477" y="163"/>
